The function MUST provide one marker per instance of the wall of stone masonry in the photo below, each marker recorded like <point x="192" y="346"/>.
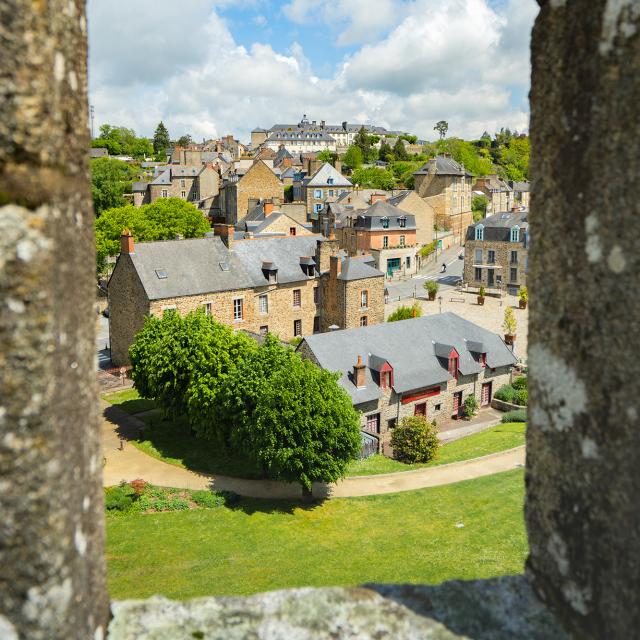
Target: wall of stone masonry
<point x="503" y="260"/>
<point x="259" y="182"/>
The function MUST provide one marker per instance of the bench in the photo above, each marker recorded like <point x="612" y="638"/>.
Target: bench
<point x="456" y="300"/>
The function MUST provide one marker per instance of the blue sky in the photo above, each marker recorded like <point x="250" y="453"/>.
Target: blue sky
<point x="211" y="67"/>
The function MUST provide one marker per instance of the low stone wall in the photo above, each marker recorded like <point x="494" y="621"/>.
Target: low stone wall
<point x="501" y="405"/>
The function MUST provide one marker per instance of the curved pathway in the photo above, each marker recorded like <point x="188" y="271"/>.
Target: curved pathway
<point x="129" y="463"/>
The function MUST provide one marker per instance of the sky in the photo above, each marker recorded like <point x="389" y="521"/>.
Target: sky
<point x="213" y="67"/>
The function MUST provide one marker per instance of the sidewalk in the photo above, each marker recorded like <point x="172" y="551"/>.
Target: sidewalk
<point x="130" y="463"/>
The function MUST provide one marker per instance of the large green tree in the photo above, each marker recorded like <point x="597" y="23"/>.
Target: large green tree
<point x="184" y="141"/>
<point x="120" y="141"/>
<point x="353" y="158"/>
<point x="374" y="178"/>
<point x="161" y="140"/>
<point x="385" y="152"/>
<point x="161" y="220"/>
<point x="442" y="126"/>
<point x="399" y="150"/>
<point x="110" y="180"/>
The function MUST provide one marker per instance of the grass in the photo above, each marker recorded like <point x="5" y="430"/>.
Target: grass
<point x="129" y="401"/>
<point x="498" y="438"/>
<point x="172" y="442"/>
<point x="262" y="545"/>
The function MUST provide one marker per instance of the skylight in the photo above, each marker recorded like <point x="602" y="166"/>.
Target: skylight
<point x="161" y="273"/>
<point x="224" y="266"/>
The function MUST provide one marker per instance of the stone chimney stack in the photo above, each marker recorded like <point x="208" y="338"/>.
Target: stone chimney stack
<point x="268" y="207"/>
<point x="358" y="373"/>
<point x="126" y="242"/>
<point x="337" y="165"/>
<point x="325" y="248"/>
<point x="225" y="231"/>
<point x="335" y="266"/>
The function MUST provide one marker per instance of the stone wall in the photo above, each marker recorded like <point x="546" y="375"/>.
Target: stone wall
<point x="258" y="183"/>
<point x="502" y="260"/>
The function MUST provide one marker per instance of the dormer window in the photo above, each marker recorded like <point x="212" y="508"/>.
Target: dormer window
<point x="385" y="223"/>
<point x="483" y="360"/>
<point x="402" y="222"/>
<point x="453" y="366"/>
<point x="329" y="180"/>
<point x="515" y="234"/>
<point x="480" y="232"/>
<point x="385" y="379"/>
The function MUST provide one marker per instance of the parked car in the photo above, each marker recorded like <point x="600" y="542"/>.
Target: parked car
<point x="461" y="256"/>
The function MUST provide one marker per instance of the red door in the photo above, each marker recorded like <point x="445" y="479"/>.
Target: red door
<point x="420" y="409"/>
<point x="485" y="396"/>
<point x="457" y="403"/>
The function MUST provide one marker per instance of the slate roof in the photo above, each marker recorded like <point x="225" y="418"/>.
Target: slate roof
<point x="372" y="217"/>
<point x="139" y="186"/>
<point x="179" y="171"/>
<point x="299" y="134"/>
<point x="192" y="267"/>
<point x="399" y="198"/>
<point x="409" y="347"/>
<point x="498" y="226"/>
<point x="163" y="178"/>
<point x="442" y="165"/>
<point x="519" y="186"/>
<point x="356" y="268"/>
<point x="326" y="171"/>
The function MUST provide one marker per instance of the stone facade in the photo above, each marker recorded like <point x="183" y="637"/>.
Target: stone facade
<point x="497" y="191"/>
<point x="258" y="183"/>
<point x="192" y="186"/>
<point x="423" y="213"/>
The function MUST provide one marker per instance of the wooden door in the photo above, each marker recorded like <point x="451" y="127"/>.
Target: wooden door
<point x="485" y="396"/>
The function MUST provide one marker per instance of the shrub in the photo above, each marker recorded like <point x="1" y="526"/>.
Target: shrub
<point x="428" y="249"/>
<point x="119" y="498"/>
<point x="510" y="325"/>
<point x="415" y="440"/>
<point x="520" y="382"/>
<point x="523" y="294"/>
<point x="470" y="406"/>
<point x="207" y="499"/>
<point x="519" y="415"/>
<point x="405" y="313"/>
<point x="521" y="397"/>
<point x="482" y="292"/>
<point x="138" y="486"/>
<point x="431" y="286"/>
<point x="505" y="393"/>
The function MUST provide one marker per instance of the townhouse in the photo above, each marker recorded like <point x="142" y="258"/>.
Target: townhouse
<point x="191" y="183"/>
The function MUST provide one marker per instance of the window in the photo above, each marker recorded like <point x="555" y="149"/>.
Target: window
<point x="385" y="379"/>
<point x="526" y="264"/>
<point x="373" y="423"/>
<point x="183" y="194"/>
<point x="437" y="407"/>
<point x="297" y="327"/>
<point x="317" y="207"/>
<point x="292" y="231"/>
<point x="165" y="193"/>
<point x="316" y="295"/>
<point x="329" y="180"/>
<point x="263" y="303"/>
<point x="237" y="309"/>
<point x="195" y="196"/>
<point x="391" y="424"/>
<point x="480" y="232"/>
<point x="264" y="329"/>
<point x="402" y="222"/>
<point x="515" y="234"/>
<point x="316" y="324"/>
<point x="453" y="367"/>
<point x="420" y="409"/>
<point x="514" y="257"/>
<point x="364" y="299"/>
<point x="363" y="321"/>
<point x="207" y="308"/>
<point x="477" y="275"/>
<point x="385" y="223"/>
<point x="402" y="240"/>
<point x="408" y="262"/>
<point x="513" y="274"/>
<point x="296" y="298"/>
<point x="317" y="194"/>
<point x="385" y="242"/>
<point x="478" y="256"/>
<point x="491" y="259"/>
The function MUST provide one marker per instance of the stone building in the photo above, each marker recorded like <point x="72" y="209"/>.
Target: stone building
<point x="496" y="252"/>
<point x="191" y="183"/>
<point x="290" y="286"/>
<point x="259" y="182"/>
<point x="326" y="183"/>
<point x="424" y="366"/>
<point x="422" y="212"/>
<point x="446" y="186"/>
<point x="387" y="233"/>
<point x="499" y="194"/>
<point x="267" y="220"/>
<point x="521" y="192"/>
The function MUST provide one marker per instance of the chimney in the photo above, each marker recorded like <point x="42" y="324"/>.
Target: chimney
<point x="225" y="231"/>
<point x="268" y="208"/>
<point x="358" y="373"/>
<point x="322" y="124"/>
<point x="377" y="196"/>
<point x="126" y="242"/>
<point x="337" y="165"/>
<point x="335" y="266"/>
<point x="344" y="125"/>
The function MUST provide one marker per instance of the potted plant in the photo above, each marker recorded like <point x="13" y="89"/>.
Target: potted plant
<point x="509" y="326"/>
<point x="481" y="295"/>
<point x="523" y="294"/>
<point x="431" y="287"/>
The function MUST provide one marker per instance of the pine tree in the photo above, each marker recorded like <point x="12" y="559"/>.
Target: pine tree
<point x="161" y="140"/>
<point x="399" y="150"/>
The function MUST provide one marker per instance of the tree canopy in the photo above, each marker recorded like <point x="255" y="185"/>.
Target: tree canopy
<point x="353" y="158"/>
<point x="120" y="141"/>
<point x="326" y="156"/>
<point x="183" y="141"/>
<point x="161" y="141"/>
<point x="374" y="178"/>
<point x="385" y="152"/>
<point x="442" y="126"/>
<point x="161" y="220"/>
<point x="399" y="150"/>
<point x="110" y="180"/>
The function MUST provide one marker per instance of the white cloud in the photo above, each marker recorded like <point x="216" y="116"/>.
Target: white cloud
<point x="456" y="60"/>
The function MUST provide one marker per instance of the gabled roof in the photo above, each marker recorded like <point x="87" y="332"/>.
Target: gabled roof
<point x="372" y="217"/>
<point x="163" y="178"/>
<point x="442" y="165"/>
<point x="498" y="226"/>
<point x="408" y="346"/>
<point x="183" y="171"/>
<point x="355" y="268"/>
<point x="326" y="171"/>
<point x="139" y="186"/>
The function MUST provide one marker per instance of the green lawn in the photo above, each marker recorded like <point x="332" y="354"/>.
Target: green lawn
<point x="498" y="438"/>
<point x="129" y="401"/>
<point x="172" y="442"/>
<point x="261" y="545"/>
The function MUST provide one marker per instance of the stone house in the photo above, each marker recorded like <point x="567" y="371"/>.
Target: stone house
<point x="266" y="220"/>
<point x="290" y="286"/>
<point x="191" y="183"/>
<point x="425" y="366"/>
<point x="497" y="191"/>
<point x="446" y="186"/>
<point x="496" y="252"/>
<point x="387" y="233"/>
<point x="258" y="183"/>
<point x="326" y="183"/>
<point x="521" y="192"/>
<point x="422" y="212"/>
